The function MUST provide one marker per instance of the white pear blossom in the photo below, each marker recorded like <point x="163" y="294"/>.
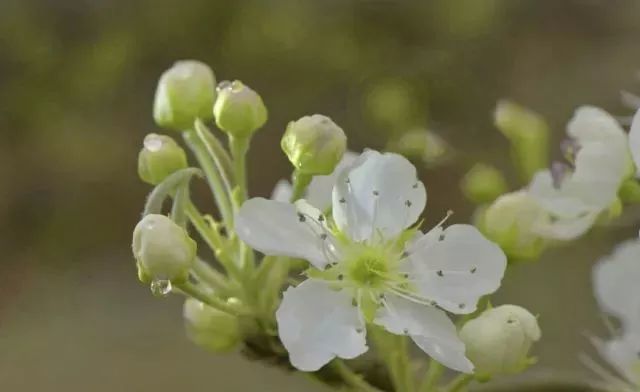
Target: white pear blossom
<point x="616" y="281"/>
<point x="318" y="192"/>
<point x="634" y="141"/>
<point x="371" y="266"/>
<point x="573" y="197"/>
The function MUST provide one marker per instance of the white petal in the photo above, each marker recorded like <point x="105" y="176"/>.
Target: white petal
<point x="317" y="324"/>
<point x="634" y="141"/>
<point x="622" y="354"/>
<point x="320" y="188"/>
<point x="430" y="329"/>
<point x="616" y="280"/>
<point x="282" y="191"/>
<point x="279" y="229"/>
<point x="590" y="123"/>
<point x="379" y="194"/>
<point x="565" y="229"/>
<point x="457" y="270"/>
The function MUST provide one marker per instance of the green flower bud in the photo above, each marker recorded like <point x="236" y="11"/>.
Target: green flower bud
<point x="211" y="328"/>
<point x="528" y="133"/>
<point x="164" y="251"/>
<point x="421" y="144"/>
<point x="239" y="110"/>
<point x="498" y="341"/>
<point x="314" y="144"/>
<point x="510" y="222"/>
<point x="185" y="92"/>
<point x="160" y="157"/>
<point x="483" y="183"/>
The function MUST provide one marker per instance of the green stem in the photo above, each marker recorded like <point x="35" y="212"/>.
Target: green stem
<point x="217" y="152"/>
<point x="459" y="383"/>
<point x="166" y="188"/>
<point x="204" y="272"/>
<point x="351" y="378"/>
<point x="434" y="372"/>
<point x="222" y="198"/>
<point x="239" y="148"/>
<point x="300" y="183"/>
<point x="213" y="238"/>
<point x="404" y="364"/>
<point x="208" y="298"/>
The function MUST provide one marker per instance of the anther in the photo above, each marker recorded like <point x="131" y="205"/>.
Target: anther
<point x="301" y="217"/>
<point x="323" y="236"/>
<point x="408" y="203"/>
<point x="321" y="218"/>
<point x="462" y="306"/>
<point x="440" y="273"/>
<point x="342" y="200"/>
<point x="473" y="270"/>
<point x="376" y="193"/>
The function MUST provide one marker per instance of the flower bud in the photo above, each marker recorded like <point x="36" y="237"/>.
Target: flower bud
<point x="185" y="92"/>
<point x="211" y="328"/>
<point x="528" y="133"/>
<point x="511" y="221"/>
<point x="163" y="250"/>
<point x="498" y="341"/>
<point x="239" y="110"/>
<point x="483" y="183"/>
<point x="160" y="157"/>
<point x="314" y="144"/>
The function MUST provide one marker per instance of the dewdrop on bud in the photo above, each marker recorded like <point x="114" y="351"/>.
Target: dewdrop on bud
<point x="314" y="144"/>
<point x="163" y="250"/>
<point x="239" y="111"/>
<point x="185" y="92"/>
<point x="511" y="220"/>
<point x="159" y="157"/>
<point x="483" y="183"/>
<point x="498" y="341"/>
<point x="211" y="328"/>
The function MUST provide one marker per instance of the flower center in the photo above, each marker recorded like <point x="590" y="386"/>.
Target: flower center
<point x="368" y="270"/>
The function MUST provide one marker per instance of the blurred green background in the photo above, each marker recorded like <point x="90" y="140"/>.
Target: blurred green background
<point x="77" y="79"/>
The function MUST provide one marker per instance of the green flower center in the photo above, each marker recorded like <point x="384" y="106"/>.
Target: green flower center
<point x="368" y="270"/>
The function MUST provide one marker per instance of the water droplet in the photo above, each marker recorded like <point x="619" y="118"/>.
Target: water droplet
<point x="236" y="86"/>
<point x="161" y="287"/>
<point x="225" y="84"/>
<point x="153" y="143"/>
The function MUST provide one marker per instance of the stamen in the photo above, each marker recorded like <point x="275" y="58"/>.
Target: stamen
<point x="375" y="216"/>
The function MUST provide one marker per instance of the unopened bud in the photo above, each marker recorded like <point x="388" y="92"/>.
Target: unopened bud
<point x="483" y="183"/>
<point x="239" y="110"/>
<point x="160" y="157"/>
<point x="511" y="221"/>
<point x="314" y="144"/>
<point x="498" y="341"/>
<point x="185" y="92"/>
<point x="163" y="250"/>
<point x="211" y="328"/>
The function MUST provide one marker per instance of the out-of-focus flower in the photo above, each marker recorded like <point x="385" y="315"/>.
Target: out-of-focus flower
<point x="483" y="183"/>
<point x="369" y="266"/>
<point x="211" y="328"/>
<point x="498" y="341"/>
<point x="575" y="194"/>
<point x="422" y="145"/>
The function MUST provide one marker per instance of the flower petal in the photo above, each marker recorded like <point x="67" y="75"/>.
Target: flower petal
<point x="622" y="354"/>
<point x="320" y="188"/>
<point x="458" y="269"/>
<point x="282" y="229"/>
<point x="565" y="229"/>
<point x="282" y="191"/>
<point x="379" y="194"/>
<point x="590" y="123"/>
<point x="616" y="284"/>
<point x="430" y="329"/>
<point x="634" y="141"/>
<point x="316" y="324"/>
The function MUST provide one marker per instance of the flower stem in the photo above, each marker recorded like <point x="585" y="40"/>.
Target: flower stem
<point x="239" y="148"/>
<point x="208" y="298"/>
<point x="351" y="378"/>
<point x="459" y="383"/>
<point x="434" y="372"/>
<point x="217" y="152"/>
<point x="204" y="272"/>
<point x="300" y="183"/>
<point x="220" y="194"/>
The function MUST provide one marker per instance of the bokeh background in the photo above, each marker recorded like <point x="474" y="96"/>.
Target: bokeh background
<point x="77" y="79"/>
